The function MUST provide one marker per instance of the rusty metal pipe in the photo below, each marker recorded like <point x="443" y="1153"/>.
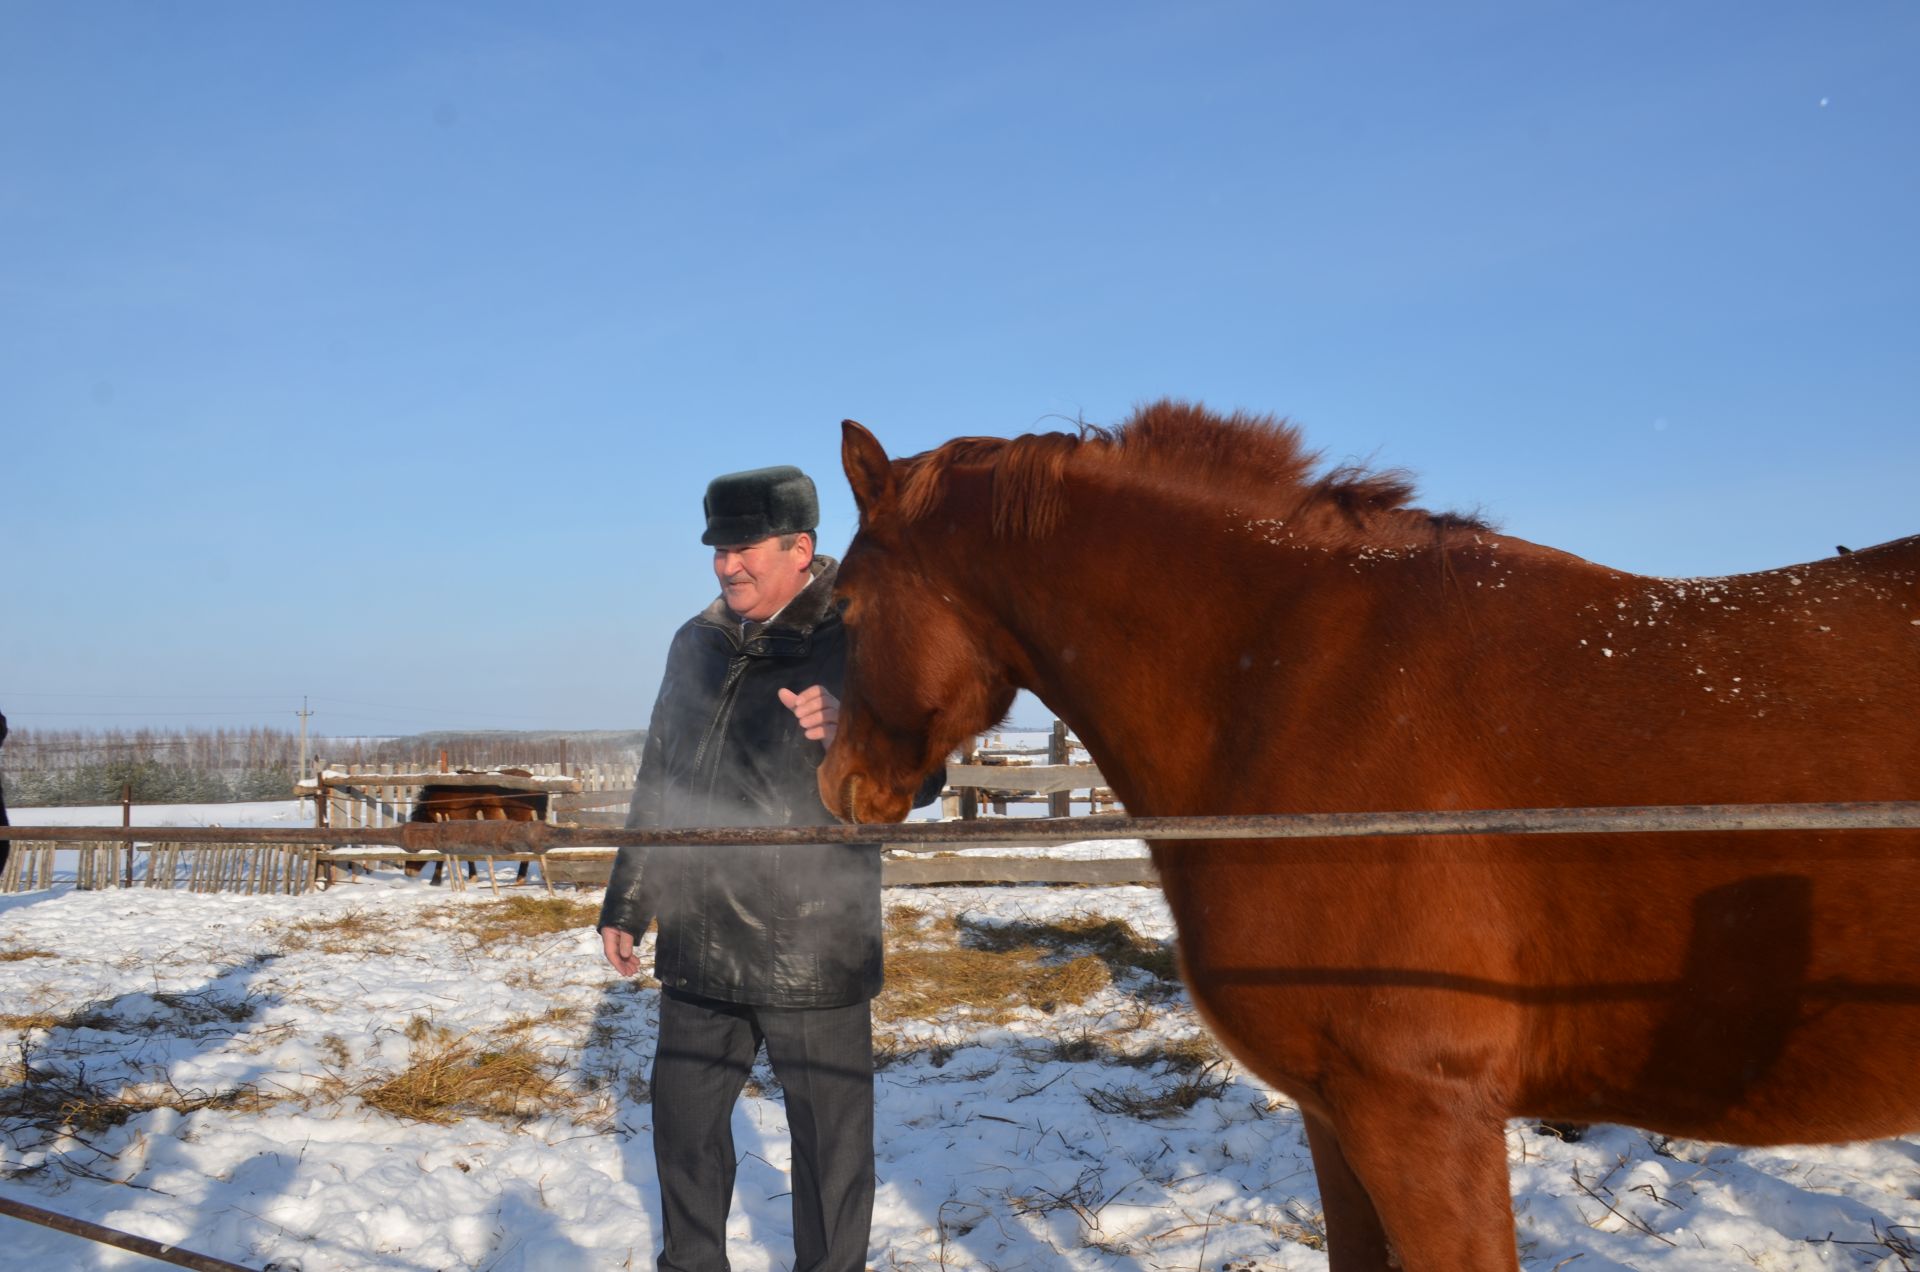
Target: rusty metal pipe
<point x="114" y="1237"/>
<point x="500" y="838"/>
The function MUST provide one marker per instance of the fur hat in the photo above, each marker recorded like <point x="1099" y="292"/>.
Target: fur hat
<point x="757" y="504"/>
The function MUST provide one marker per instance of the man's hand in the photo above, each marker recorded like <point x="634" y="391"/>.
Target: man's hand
<point x="618" y="943"/>
<point x="817" y="710"/>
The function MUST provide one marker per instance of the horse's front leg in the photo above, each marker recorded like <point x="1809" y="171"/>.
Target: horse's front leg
<point x="1433" y="1164"/>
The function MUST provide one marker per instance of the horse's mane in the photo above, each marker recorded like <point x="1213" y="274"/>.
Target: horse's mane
<point x="1255" y="463"/>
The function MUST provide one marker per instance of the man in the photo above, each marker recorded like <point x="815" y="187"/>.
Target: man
<point x="774" y="945"/>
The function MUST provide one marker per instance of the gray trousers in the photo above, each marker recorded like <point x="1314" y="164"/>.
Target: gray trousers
<point x="823" y="1058"/>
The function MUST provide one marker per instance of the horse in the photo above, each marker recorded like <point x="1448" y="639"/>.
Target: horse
<point x="1228" y="632"/>
<point x="475" y="803"/>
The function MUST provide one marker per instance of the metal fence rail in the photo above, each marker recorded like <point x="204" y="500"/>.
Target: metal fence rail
<point x="504" y="838"/>
<point x="160" y="1250"/>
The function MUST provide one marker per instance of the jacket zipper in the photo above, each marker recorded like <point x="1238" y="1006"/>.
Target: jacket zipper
<point x="731" y="685"/>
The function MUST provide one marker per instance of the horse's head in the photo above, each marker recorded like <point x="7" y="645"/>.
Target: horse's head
<point x="920" y="675"/>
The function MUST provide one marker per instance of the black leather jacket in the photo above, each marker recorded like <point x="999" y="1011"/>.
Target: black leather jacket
<point x="793" y="926"/>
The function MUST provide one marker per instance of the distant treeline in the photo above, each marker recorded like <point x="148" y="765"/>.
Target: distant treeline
<point x="52" y="767"/>
<point x="482" y="750"/>
<point x="152" y="783"/>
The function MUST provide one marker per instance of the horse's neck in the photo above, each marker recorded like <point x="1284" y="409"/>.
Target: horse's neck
<point x="1137" y="632"/>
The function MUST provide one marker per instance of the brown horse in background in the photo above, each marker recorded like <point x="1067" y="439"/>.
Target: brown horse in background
<point x="1229" y="633"/>
<point x="475" y="803"/>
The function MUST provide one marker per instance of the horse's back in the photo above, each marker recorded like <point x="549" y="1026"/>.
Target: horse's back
<point x="1573" y="684"/>
<point x="1751" y="986"/>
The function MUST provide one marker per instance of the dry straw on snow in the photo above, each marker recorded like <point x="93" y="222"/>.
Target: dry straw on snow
<point x="450" y="1076"/>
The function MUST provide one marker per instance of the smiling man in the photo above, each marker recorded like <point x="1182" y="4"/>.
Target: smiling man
<point x="774" y="946"/>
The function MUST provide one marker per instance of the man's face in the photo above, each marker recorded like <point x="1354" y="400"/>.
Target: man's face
<point x="756" y="579"/>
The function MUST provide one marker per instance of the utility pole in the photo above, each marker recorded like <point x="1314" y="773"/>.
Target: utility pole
<point x="303" y="713"/>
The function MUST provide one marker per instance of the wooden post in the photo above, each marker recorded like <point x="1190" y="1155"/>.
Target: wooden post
<point x="1060" y="803"/>
<point x="970" y="796"/>
<point x="320" y="823"/>
<point x="126" y="819"/>
<point x="950" y="798"/>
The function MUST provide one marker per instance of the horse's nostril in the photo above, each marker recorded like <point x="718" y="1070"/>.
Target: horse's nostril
<point x="848" y="792"/>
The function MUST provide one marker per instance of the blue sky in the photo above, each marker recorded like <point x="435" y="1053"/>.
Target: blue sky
<point x="380" y="353"/>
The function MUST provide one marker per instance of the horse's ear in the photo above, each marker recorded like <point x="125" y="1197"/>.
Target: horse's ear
<point x="869" y="471"/>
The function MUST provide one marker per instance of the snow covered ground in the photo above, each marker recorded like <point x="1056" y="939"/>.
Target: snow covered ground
<point x="273" y="1021"/>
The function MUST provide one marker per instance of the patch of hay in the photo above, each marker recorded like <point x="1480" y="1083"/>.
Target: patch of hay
<point x="32" y="1020"/>
<point x="930" y="973"/>
<point x="527" y="1024"/>
<point x="17" y="954"/>
<point x="1192" y="1054"/>
<point x="335" y="1049"/>
<point x="1113" y="941"/>
<point x="1183" y="1055"/>
<point x="450" y="1077"/>
<point x="1147" y="1104"/>
<point x="49" y="1102"/>
<point x="521" y="918"/>
<point x="186" y="1013"/>
<point x="925" y="983"/>
<point x="350" y="932"/>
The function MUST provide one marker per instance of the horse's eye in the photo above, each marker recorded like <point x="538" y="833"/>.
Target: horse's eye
<point x="840" y="604"/>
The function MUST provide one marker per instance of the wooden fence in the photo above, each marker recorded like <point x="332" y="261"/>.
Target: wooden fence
<point x="379" y="795"/>
<point x="1000" y="774"/>
<point x="385" y="794"/>
<point x="257" y="869"/>
<point x="992" y="775"/>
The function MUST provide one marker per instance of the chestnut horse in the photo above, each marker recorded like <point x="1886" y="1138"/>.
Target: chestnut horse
<point x="1229" y="633"/>
<point x="475" y="803"/>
